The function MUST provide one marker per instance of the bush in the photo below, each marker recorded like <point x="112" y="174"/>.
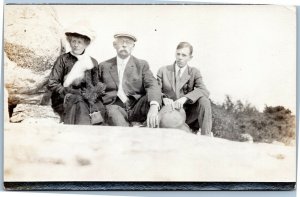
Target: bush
<point x="233" y="119"/>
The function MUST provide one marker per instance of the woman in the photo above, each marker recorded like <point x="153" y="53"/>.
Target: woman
<point x="74" y="97"/>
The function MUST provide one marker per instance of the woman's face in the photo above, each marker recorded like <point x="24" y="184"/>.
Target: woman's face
<point x="77" y="45"/>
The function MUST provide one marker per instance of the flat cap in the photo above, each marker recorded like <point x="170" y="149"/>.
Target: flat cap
<point x="127" y="35"/>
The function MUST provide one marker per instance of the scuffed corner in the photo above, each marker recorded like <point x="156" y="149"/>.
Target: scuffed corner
<point x="290" y="8"/>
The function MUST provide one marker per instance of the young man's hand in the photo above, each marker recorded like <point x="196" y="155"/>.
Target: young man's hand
<point x="168" y="101"/>
<point x="178" y="104"/>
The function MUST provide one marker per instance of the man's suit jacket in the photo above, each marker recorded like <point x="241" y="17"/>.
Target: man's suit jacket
<point x="190" y="84"/>
<point x="138" y="80"/>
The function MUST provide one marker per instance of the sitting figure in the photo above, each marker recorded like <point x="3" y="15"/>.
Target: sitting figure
<point x="74" y="95"/>
<point x="183" y="89"/>
<point x="132" y="93"/>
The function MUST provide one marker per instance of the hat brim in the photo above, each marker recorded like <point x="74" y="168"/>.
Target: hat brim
<point x="75" y="34"/>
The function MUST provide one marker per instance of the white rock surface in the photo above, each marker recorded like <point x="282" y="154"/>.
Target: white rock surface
<point x="32" y="32"/>
<point x="27" y="113"/>
<point x="42" y="152"/>
<point x="32" y="42"/>
<point x="24" y="86"/>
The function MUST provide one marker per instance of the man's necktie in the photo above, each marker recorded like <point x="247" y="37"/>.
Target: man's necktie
<point x="178" y="74"/>
<point x="121" y="94"/>
<point x="177" y="83"/>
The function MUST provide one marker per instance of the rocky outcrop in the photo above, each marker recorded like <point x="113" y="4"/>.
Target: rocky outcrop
<point x="43" y="152"/>
<point x="24" y="86"/>
<point x="27" y="113"/>
<point x="32" y="42"/>
<point x="32" y="36"/>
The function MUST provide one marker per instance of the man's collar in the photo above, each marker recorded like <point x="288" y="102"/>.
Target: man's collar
<point x="125" y="61"/>
<point x="177" y="67"/>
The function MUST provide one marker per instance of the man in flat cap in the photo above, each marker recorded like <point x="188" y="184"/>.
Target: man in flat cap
<point x="183" y="89"/>
<point x="132" y="92"/>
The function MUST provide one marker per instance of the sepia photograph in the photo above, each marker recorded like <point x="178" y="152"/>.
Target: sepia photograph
<point x="149" y="97"/>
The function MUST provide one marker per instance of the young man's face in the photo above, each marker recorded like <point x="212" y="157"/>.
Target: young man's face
<point x="123" y="46"/>
<point x="183" y="56"/>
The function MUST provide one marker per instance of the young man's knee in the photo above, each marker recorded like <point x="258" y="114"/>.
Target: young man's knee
<point x="204" y="102"/>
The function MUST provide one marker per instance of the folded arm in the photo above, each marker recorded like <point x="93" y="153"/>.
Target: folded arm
<point x="199" y="90"/>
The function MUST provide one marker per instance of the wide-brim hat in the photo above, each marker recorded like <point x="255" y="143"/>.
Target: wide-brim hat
<point x="127" y="35"/>
<point x="83" y="28"/>
<point x="173" y="118"/>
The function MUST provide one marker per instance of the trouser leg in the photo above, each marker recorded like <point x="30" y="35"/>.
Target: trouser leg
<point x="116" y="116"/>
<point x="139" y="111"/>
<point x="199" y="115"/>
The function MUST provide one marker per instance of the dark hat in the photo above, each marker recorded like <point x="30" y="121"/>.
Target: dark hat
<point x="173" y="118"/>
<point x="127" y="35"/>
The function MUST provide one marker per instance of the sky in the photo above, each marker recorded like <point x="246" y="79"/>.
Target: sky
<point x="245" y="51"/>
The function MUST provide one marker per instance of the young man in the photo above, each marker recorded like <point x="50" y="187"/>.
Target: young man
<point x="132" y="93"/>
<point x="182" y="88"/>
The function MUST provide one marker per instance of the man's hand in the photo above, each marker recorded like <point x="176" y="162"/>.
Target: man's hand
<point x="168" y="101"/>
<point x="178" y="104"/>
<point x="152" y="117"/>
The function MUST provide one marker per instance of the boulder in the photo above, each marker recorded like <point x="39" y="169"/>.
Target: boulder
<point x="32" y="36"/>
<point x="32" y="43"/>
<point x="23" y="85"/>
<point x="27" y="113"/>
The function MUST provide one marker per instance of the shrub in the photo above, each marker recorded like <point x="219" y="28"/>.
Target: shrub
<point x="233" y="119"/>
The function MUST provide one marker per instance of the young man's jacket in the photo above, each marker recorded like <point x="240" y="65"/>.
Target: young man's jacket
<point x="190" y="84"/>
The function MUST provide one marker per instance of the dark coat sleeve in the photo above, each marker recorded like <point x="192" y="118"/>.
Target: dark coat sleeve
<point x="151" y="85"/>
<point x="57" y="76"/>
<point x="98" y="88"/>
<point x="160" y="82"/>
<point x="95" y="74"/>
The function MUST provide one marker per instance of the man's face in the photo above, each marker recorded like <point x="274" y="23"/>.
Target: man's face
<point x="77" y="45"/>
<point x="123" y="46"/>
<point x="183" y="56"/>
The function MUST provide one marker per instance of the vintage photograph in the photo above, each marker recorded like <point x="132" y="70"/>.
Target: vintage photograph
<point x="149" y="94"/>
